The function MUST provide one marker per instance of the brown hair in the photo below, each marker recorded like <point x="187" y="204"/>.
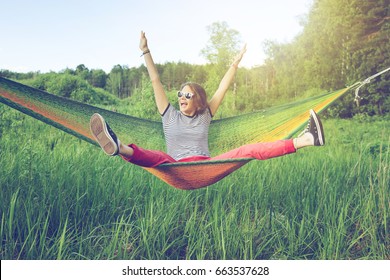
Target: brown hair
<point x="200" y="97"/>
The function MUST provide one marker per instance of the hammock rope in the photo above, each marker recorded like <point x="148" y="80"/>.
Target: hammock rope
<point x="278" y="122"/>
<point x="364" y="82"/>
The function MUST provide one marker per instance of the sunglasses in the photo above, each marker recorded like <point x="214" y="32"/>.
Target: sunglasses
<point x="187" y="95"/>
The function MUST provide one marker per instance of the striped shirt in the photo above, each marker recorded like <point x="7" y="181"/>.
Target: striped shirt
<point x="186" y="136"/>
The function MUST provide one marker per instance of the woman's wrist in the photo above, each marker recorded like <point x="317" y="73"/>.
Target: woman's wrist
<point x="145" y="51"/>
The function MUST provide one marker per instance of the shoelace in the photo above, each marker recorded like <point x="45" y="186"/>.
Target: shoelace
<point x="113" y="135"/>
<point x="307" y="129"/>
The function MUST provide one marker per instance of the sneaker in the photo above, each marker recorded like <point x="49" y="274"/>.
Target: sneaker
<point x="314" y="127"/>
<point x="104" y="135"/>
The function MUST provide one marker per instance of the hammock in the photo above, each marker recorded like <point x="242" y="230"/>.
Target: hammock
<point x="279" y="122"/>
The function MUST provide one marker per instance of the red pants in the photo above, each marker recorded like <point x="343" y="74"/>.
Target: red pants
<point x="260" y="151"/>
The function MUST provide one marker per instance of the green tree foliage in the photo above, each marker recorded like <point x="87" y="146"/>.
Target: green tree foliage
<point x="141" y="103"/>
<point x="98" y="78"/>
<point x="116" y="82"/>
<point x="71" y="86"/>
<point x="223" y="44"/>
<point x="342" y="42"/>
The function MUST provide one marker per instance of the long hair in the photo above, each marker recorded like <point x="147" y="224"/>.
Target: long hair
<point x="199" y="98"/>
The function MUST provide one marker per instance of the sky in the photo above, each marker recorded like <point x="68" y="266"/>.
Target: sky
<point x="47" y="35"/>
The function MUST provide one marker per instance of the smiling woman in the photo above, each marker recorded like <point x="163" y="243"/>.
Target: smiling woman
<point x="192" y="99"/>
<point x="190" y="124"/>
<point x="186" y="130"/>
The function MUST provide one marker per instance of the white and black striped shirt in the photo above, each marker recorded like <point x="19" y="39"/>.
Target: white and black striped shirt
<point x="186" y="136"/>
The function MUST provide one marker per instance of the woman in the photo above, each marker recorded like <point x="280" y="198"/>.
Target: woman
<point x="186" y="129"/>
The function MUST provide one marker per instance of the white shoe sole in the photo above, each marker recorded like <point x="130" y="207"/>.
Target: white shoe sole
<point x="100" y="133"/>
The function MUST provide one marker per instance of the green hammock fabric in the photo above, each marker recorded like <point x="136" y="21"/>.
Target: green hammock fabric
<point x="280" y="122"/>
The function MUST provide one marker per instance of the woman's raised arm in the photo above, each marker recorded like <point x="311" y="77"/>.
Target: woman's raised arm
<point x="218" y="96"/>
<point x="159" y="93"/>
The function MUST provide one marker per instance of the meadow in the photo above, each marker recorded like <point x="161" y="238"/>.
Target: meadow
<point x="62" y="198"/>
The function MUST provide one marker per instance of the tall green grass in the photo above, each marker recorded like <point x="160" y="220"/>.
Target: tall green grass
<point x="62" y="198"/>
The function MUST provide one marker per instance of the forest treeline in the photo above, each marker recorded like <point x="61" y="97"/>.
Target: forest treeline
<point x="342" y="42"/>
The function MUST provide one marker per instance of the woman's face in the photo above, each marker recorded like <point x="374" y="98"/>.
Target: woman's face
<point x="187" y="106"/>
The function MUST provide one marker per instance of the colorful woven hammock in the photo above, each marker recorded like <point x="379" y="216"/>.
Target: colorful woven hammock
<point x="280" y="122"/>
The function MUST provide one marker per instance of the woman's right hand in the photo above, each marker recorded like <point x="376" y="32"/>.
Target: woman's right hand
<point x="143" y="42"/>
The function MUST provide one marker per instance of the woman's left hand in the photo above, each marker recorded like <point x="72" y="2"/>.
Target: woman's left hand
<point x="238" y="58"/>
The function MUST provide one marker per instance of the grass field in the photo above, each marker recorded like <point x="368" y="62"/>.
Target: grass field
<point x="62" y="198"/>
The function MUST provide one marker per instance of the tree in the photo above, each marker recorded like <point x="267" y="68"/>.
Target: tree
<point x="223" y="44"/>
<point x="98" y="78"/>
<point x="82" y="71"/>
<point x="115" y="83"/>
